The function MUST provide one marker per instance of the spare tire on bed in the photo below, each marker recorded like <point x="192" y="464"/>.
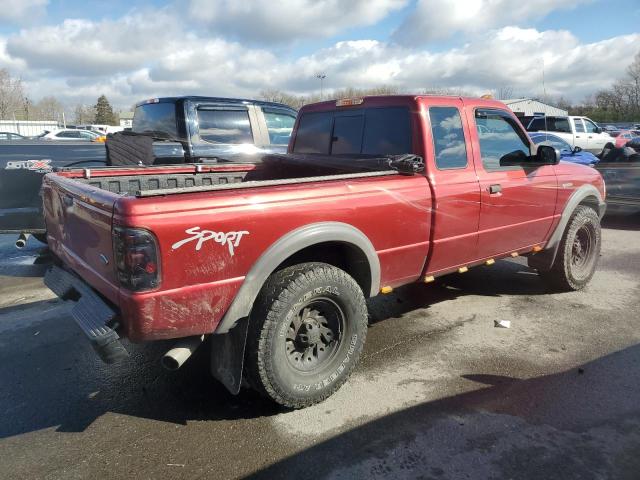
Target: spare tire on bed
<point x="129" y="149"/>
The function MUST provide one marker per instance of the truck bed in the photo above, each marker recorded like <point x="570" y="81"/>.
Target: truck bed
<point x="271" y="170"/>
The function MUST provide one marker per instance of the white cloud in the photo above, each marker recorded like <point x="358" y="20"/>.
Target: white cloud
<point x="21" y="11"/>
<point x="285" y="20"/>
<point x="140" y="56"/>
<point x="87" y="48"/>
<point x="437" y="19"/>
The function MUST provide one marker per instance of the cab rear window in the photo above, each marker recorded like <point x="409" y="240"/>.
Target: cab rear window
<point x="370" y="131"/>
<point x="155" y="117"/>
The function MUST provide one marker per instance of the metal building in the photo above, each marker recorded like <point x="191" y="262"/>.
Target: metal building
<point x="527" y="107"/>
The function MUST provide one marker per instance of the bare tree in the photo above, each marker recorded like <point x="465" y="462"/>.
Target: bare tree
<point x="12" y="98"/>
<point x="504" y="93"/>
<point x="48" y="108"/>
<point x="83" y="114"/>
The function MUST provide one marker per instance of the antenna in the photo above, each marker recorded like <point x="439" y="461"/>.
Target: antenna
<point x="544" y="99"/>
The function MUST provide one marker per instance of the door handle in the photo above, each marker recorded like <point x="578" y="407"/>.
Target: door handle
<point x="577" y="136"/>
<point x="589" y="137"/>
<point x="497" y="188"/>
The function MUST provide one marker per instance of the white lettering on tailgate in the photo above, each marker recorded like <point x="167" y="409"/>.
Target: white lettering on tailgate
<point x="231" y="239"/>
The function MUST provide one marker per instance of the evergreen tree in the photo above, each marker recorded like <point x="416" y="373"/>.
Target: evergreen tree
<point x="104" y="112"/>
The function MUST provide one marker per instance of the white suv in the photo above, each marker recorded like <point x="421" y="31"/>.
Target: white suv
<point x="578" y="131"/>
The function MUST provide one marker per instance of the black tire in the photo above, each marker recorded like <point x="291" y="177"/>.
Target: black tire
<point x="578" y="253"/>
<point x="306" y="334"/>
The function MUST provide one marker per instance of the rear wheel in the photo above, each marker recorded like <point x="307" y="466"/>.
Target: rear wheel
<point x="578" y="253"/>
<point x="306" y="334"/>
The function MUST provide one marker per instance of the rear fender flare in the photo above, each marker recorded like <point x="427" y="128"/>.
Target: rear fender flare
<point x="288" y="245"/>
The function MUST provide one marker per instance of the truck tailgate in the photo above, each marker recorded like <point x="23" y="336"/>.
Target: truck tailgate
<point x="78" y="218"/>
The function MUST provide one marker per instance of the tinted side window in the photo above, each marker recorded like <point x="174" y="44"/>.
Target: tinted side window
<point x="279" y="126"/>
<point x="578" y="124"/>
<point x="225" y="126"/>
<point x="448" y="138"/>
<point x="347" y="134"/>
<point x="499" y="138"/>
<point x="314" y="133"/>
<point x="561" y="125"/>
<point x="537" y="124"/>
<point x="68" y="134"/>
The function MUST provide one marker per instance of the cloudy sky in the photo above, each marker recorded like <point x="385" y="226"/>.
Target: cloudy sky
<point x="132" y="50"/>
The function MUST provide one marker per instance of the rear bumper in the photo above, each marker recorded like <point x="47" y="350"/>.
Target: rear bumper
<point x="23" y="219"/>
<point x="94" y="316"/>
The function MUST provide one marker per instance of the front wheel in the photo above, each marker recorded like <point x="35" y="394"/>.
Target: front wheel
<point x="578" y="253"/>
<point x="306" y="333"/>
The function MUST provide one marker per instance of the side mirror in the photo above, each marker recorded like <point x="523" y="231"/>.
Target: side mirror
<point x="576" y="150"/>
<point x="597" y="130"/>
<point x="547" y="155"/>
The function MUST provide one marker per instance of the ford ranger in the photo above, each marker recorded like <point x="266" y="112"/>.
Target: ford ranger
<point x="188" y="129"/>
<point x="272" y="262"/>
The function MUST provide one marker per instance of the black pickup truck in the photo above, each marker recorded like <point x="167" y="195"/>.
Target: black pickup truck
<point x="188" y="129"/>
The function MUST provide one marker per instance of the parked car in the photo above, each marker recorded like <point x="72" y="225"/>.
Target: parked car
<point x="623" y="137"/>
<point x="11" y="136"/>
<point x="621" y="172"/>
<point x="70" y="134"/>
<point x="187" y="129"/>
<point x="103" y="129"/>
<point x="634" y="143"/>
<point x="575" y="154"/>
<point x="274" y="260"/>
<point x="577" y="131"/>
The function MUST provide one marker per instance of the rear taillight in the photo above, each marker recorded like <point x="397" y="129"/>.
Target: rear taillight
<point x="136" y="256"/>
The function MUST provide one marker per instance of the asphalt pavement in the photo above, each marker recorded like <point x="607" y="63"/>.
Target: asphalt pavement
<point x="440" y="392"/>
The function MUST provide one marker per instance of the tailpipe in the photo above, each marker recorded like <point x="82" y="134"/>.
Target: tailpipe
<point x="180" y="353"/>
<point x="22" y="240"/>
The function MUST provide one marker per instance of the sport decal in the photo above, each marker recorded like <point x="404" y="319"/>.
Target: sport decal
<point x="230" y="239"/>
<point x="41" y="166"/>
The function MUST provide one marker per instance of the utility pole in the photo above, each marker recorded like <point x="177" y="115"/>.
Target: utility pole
<point x="321" y="76"/>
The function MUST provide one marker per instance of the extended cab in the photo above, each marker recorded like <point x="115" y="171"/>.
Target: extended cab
<point x="188" y="130"/>
<point x="578" y="131"/>
<point x="273" y="262"/>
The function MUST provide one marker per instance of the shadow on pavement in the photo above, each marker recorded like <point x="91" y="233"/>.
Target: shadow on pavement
<point x="618" y="221"/>
<point x="580" y="423"/>
<point x="53" y="378"/>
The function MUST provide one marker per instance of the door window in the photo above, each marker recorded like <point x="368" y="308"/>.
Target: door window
<point x="591" y="127"/>
<point x="225" y="126"/>
<point x="279" y="126"/>
<point x="500" y="139"/>
<point x="448" y="138"/>
<point x="68" y="134"/>
<point x="579" y="125"/>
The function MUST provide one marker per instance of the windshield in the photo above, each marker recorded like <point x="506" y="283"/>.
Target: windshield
<point x="155" y="117"/>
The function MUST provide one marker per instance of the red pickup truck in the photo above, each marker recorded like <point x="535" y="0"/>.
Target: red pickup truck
<point x="271" y="262"/>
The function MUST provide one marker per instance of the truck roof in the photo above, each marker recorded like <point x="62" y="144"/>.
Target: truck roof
<point x="198" y="98"/>
<point x="391" y="100"/>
